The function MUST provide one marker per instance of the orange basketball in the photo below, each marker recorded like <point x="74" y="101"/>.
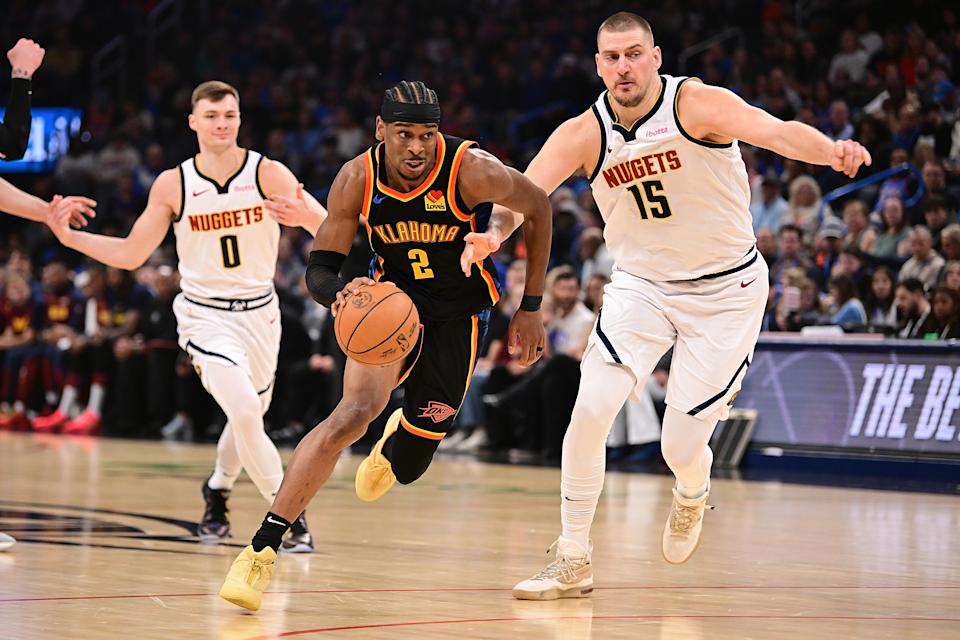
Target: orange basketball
<point x="378" y="325"/>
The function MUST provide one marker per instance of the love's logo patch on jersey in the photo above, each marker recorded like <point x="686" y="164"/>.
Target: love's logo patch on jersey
<point x="434" y="201"/>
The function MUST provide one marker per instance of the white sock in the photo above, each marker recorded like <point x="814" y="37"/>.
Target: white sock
<point x="97" y="391"/>
<point x="233" y="390"/>
<point x="686" y="451"/>
<point x="603" y="390"/>
<point x="67" y="398"/>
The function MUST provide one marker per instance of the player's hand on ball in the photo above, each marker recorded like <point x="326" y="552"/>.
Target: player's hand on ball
<point x="348" y="290"/>
<point x="847" y="157"/>
<point x="526" y="336"/>
<point x="478" y="247"/>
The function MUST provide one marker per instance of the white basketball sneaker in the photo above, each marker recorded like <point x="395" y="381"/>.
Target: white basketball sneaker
<point x="6" y="542"/>
<point x="681" y="535"/>
<point x="570" y="575"/>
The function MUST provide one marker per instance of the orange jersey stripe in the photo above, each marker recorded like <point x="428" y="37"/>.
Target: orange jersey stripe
<point x="452" y="185"/>
<point x="491" y="285"/>
<point x="427" y="182"/>
<point x="474" y="345"/>
<point x="423" y="433"/>
<point x="368" y="187"/>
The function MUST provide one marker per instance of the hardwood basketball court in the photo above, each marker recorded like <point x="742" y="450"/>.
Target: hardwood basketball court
<point x="106" y="551"/>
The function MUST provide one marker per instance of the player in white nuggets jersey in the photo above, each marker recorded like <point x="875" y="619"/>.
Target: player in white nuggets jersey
<point x="226" y="204"/>
<point x="662" y="158"/>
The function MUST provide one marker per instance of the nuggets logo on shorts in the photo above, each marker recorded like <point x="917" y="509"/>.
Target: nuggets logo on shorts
<point x="360" y="299"/>
<point x="434" y="201"/>
<point x="437" y="411"/>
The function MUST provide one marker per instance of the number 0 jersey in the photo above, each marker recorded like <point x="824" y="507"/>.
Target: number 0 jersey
<point x="418" y="236"/>
<point x="226" y="244"/>
<point x="675" y="207"/>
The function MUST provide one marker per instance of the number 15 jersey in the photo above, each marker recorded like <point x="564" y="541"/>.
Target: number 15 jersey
<point x="226" y="243"/>
<point x="675" y="207"/>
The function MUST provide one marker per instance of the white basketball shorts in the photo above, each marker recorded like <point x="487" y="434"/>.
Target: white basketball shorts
<point x="248" y="336"/>
<point x="713" y="322"/>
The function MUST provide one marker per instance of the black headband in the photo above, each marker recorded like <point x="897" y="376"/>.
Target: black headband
<point x="391" y="111"/>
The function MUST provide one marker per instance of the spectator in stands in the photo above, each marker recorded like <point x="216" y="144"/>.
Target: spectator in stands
<point x="595" y="260"/>
<point x="943" y="323"/>
<point x="790" y="254"/>
<point x="771" y="210"/>
<point x="850" y="63"/>
<point x="881" y="304"/>
<point x="848" y="311"/>
<point x="859" y="232"/>
<point x="545" y="397"/>
<point x="852" y="263"/>
<point x="767" y="245"/>
<point x="951" y="275"/>
<point x="950" y="242"/>
<point x="896" y="186"/>
<point x="935" y="185"/>
<point x="894" y="243"/>
<point x="937" y="218"/>
<point x="19" y="325"/>
<point x="912" y="307"/>
<point x="839" y="127"/>
<point x="924" y="263"/>
<point x="804" y="205"/>
<point x="593" y="292"/>
<point x="827" y="250"/>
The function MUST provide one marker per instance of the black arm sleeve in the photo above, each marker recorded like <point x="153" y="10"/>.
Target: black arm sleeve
<point x="323" y="276"/>
<point x="15" y="130"/>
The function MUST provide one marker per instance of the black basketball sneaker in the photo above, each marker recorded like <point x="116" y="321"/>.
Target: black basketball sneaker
<point x="214" y="526"/>
<point x="299" y="539"/>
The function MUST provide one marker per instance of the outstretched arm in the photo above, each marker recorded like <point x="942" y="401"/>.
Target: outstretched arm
<point x="20" y="203"/>
<point x="574" y="146"/>
<point x="287" y="202"/>
<point x="483" y="178"/>
<point x="147" y="233"/>
<point x="718" y="114"/>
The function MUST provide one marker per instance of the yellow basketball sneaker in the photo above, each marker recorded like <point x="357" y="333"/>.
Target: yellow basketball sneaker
<point x="249" y="575"/>
<point x="570" y="575"/>
<point x="681" y="534"/>
<point x="374" y="475"/>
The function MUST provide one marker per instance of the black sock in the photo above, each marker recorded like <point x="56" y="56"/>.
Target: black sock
<point x="270" y="533"/>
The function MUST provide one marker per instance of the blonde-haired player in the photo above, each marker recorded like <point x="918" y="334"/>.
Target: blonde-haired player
<point x="225" y="204"/>
<point x="663" y="162"/>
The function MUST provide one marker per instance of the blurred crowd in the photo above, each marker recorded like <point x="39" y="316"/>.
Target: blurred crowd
<point x="92" y="344"/>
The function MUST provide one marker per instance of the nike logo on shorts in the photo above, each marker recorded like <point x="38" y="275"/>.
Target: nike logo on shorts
<point x="744" y="285"/>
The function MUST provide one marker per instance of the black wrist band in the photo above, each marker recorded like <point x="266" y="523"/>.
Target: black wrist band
<point x="530" y="303"/>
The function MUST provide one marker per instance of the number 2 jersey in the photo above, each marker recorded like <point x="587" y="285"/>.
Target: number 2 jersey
<point x="418" y="236"/>
<point x="226" y="243"/>
<point x="675" y="207"/>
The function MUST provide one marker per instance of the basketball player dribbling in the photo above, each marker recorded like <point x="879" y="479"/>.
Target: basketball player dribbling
<point x="663" y="162"/>
<point x="25" y="58"/>
<point x="426" y="198"/>
<point x="226" y="205"/>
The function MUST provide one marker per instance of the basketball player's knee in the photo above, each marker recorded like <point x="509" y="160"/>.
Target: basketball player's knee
<point x="349" y="422"/>
<point x="591" y="414"/>
<point x="243" y="409"/>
